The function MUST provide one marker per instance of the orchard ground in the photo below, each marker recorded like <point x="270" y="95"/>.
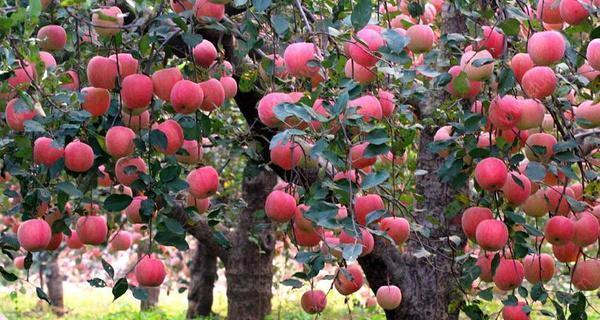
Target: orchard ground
<point x="83" y="302"/>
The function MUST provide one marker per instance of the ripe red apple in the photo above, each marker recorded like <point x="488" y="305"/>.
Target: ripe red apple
<point x="474" y="87"/>
<point x="348" y="280"/>
<point x="181" y="5"/>
<point x="214" y="94"/>
<point x="515" y="312"/>
<point x="34" y="235"/>
<point x="203" y="182"/>
<point x="73" y="83"/>
<point x="549" y="11"/>
<point x="471" y="218"/>
<point x="568" y="252"/>
<point x="127" y="64"/>
<point x="539" y="82"/>
<point x="48" y="60"/>
<point x="538" y="45"/>
<point x="360" y="74"/>
<point x="365" y="51"/>
<point x="363" y="205"/>
<point x="421" y="38"/>
<point x="55" y="241"/>
<point x="133" y="210"/>
<point x="163" y="81"/>
<point x="365" y="239"/>
<point x="585" y="275"/>
<point x="121" y="240"/>
<point x="137" y="91"/>
<point x="305" y="238"/>
<point x="150" y="272"/>
<point x="359" y="161"/>
<point x="95" y="100"/>
<point x="109" y="23"/>
<point x="517" y="188"/>
<point x="126" y="176"/>
<point x="397" y="228"/>
<point x="174" y="134"/>
<point x="509" y="274"/>
<point x="491" y="174"/>
<point x="536" y="205"/>
<point x="587" y="114"/>
<point x="477" y="70"/>
<point x="119" y="141"/>
<point x="104" y="179"/>
<point x="493" y="41"/>
<point x="587" y="229"/>
<point x="593" y="54"/>
<point x="17" y="112"/>
<point x="205" y="8"/>
<point x="73" y="241"/>
<point x="19" y="262"/>
<point x="136" y="122"/>
<point x="44" y="151"/>
<point x="300" y="221"/>
<point x="280" y="206"/>
<point x="200" y="204"/>
<point x="79" y="157"/>
<point x="520" y="63"/>
<point x="313" y="301"/>
<point x="92" y="229"/>
<point x="559" y="230"/>
<point x="102" y="72"/>
<point x="557" y="199"/>
<point x="205" y="53"/>
<point x="387" y="101"/>
<point x="287" y="156"/>
<point x="194" y="152"/>
<point x="186" y="97"/>
<point x="367" y="106"/>
<point x="573" y="12"/>
<point x="299" y="57"/>
<point x="532" y="114"/>
<point x="266" y="105"/>
<point x="538" y="267"/>
<point x="491" y="234"/>
<point x="389" y="297"/>
<point x="52" y="37"/>
<point x="229" y="86"/>
<point x="542" y="140"/>
<point x="504" y="112"/>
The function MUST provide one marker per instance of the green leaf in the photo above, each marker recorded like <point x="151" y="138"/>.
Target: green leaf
<point x="261" y="5"/>
<point x="119" y="288"/>
<point x="374" y="179"/>
<point x="221" y="239"/>
<point x="158" y="139"/>
<point x="350" y="252"/>
<point x="7" y="275"/>
<point x="377" y="136"/>
<point x="535" y="171"/>
<point x="487" y="294"/>
<point x="361" y="14"/>
<point x="69" y="189"/>
<point x="291" y="282"/>
<point x="461" y="83"/>
<point x="280" y="24"/>
<point x="394" y="40"/>
<point x="42" y="295"/>
<point x="510" y="26"/>
<point x="482" y="62"/>
<point x="34" y="126"/>
<point x="108" y="268"/>
<point x="97" y="283"/>
<point x="374" y="216"/>
<point x="117" y="202"/>
<point x="415" y="9"/>
<point x="169" y="173"/>
<point x="192" y="39"/>
<point x="506" y="81"/>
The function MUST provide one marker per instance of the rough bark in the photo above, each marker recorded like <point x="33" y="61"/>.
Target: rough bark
<point x="54" y="281"/>
<point x="428" y="284"/>
<point x="249" y="269"/>
<point x="202" y="282"/>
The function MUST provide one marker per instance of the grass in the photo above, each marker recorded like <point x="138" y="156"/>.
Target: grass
<point x="83" y="302"/>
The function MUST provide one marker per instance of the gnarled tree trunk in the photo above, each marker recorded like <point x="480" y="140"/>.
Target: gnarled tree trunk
<point x="429" y="286"/>
<point x="249" y="269"/>
<point x="202" y="282"/>
<point x="54" y="281"/>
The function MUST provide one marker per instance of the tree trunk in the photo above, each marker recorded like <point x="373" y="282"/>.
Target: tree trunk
<point x="249" y="269"/>
<point x="152" y="301"/>
<point x="429" y="283"/>
<point x="54" y="281"/>
<point x="202" y="282"/>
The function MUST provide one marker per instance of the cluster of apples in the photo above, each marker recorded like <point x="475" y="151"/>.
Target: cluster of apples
<point x="137" y="92"/>
<point x="518" y="120"/>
